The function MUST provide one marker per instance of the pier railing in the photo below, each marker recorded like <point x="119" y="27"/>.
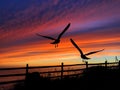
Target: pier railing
<point x="53" y="72"/>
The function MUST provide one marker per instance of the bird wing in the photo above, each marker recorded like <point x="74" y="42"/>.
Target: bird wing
<point x="63" y="31"/>
<point x="94" y="52"/>
<point x="46" y="36"/>
<point x="76" y="46"/>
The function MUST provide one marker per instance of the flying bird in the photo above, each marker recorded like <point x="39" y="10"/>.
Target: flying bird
<point x="56" y="40"/>
<point x="83" y="56"/>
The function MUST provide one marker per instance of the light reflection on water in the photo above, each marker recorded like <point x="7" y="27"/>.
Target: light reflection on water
<point x="8" y="86"/>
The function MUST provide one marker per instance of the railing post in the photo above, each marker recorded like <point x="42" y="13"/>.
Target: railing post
<point x="86" y="64"/>
<point x="26" y="70"/>
<point x="119" y="65"/>
<point x="26" y="76"/>
<point x="62" y="70"/>
<point x="106" y="64"/>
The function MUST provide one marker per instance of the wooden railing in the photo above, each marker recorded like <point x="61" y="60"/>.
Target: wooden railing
<point x="64" y="70"/>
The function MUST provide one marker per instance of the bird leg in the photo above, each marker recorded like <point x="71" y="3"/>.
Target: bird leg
<point x="55" y="45"/>
<point x="83" y="60"/>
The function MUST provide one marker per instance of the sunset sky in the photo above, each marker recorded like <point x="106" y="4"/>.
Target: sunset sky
<point x="95" y="25"/>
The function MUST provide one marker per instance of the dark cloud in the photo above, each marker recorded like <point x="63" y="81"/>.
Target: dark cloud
<point x="20" y="19"/>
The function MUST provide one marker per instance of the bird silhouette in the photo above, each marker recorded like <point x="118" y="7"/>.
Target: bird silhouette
<point x="56" y="40"/>
<point x="84" y="56"/>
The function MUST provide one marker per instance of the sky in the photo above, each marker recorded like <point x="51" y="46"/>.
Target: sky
<point x="95" y="25"/>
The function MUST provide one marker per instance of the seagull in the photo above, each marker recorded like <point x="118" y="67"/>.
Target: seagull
<point x="84" y="56"/>
<point x="56" y="40"/>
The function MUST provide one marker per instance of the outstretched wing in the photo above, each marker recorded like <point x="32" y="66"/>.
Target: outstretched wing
<point x="76" y="46"/>
<point x="46" y="36"/>
<point x="94" y="52"/>
<point x="63" y="31"/>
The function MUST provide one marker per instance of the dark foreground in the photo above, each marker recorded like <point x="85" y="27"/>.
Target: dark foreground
<point x="94" y="78"/>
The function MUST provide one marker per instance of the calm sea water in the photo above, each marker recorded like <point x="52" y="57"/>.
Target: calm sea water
<point x="9" y="86"/>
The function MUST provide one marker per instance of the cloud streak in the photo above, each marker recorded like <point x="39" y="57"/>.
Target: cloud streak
<point x="91" y="21"/>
